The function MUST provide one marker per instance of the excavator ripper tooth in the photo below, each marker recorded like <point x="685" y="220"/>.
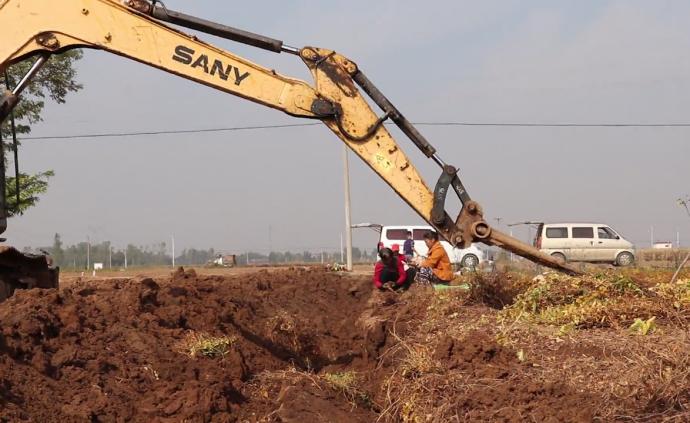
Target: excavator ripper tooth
<point x="522" y="249"/>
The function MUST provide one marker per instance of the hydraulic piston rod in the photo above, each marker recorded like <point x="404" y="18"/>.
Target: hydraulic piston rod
<point x="166" y="15"/>
<point x="10" y="98"/>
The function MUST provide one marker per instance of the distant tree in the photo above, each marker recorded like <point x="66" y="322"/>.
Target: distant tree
<point x="256" y="258"/>
<point x="192" y="256"/>
<point x="80" y="251"/>
<point x="57" y="252"/>
<point x="685" y="202"/>
<point x="55" y="80"/>
<point x="118" y="258"/>
<point x="276" y="257"/>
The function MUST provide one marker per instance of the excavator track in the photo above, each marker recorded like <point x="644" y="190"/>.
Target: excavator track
<point x="25" y="271"/>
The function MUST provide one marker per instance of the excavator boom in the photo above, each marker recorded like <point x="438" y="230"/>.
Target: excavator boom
<point x="140" y="30"/>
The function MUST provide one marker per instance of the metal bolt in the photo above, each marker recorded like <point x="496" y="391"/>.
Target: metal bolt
<point x="48" y="40"/>
<point x="309" y="54"/>
<point x="84" y="11"/>
<point x="108" y="37"/>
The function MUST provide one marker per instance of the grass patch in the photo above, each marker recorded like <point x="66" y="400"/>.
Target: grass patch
<point x="341" y="381"/>
<point x="347" y="384"/>
<point x="607" y="299"/>
<point x="200" y="344"/>
<point x="643" y="327"/>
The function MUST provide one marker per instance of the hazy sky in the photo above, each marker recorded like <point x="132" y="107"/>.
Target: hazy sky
<point x="490" y="61"/>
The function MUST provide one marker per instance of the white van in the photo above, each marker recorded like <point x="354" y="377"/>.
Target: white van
<point x="587" y="242"/>
<point x="469" y="257"/>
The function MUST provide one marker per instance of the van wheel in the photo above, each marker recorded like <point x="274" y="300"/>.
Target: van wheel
<point x="470" y="261"/>
<point x="625" y="259"/>
<point x="560" y="257"/>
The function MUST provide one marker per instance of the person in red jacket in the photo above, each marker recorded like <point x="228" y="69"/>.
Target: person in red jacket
<point x="389" y="271"/>
<point x="395" y="248"/>
<point x="410" y="270"/>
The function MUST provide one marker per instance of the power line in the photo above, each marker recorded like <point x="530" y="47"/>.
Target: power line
<point x="559" y="125"/>
<point x="297" y="125"/>
<point x="168" y="132"/>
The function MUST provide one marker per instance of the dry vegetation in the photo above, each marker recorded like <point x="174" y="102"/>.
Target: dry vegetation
<point x="610" y="346"/>
<point x="203" y="344"/>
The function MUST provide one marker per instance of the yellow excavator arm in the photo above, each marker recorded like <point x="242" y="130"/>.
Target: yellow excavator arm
<point x="140" y="30"/>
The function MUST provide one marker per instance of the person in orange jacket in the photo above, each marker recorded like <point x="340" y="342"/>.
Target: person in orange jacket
<point x="436" y="268"/>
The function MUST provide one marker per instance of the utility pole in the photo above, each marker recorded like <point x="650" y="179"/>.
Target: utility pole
<point x="125" y="257"/>
<point x="684" y="203"/>
<point x="173" y="250"/>
<point x="88" y="253"/>
<point x="110" y="256"/>
<point x="348" y="216"/>
<point x="342" y="257"/>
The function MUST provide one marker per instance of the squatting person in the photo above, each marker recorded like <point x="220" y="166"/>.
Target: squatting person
<point x="390" y="271"/>
<point x="436" y="268"/>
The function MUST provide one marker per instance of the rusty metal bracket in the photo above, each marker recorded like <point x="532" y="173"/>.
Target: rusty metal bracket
<point x="48" y="40"/>
<point x="318" y="61"/>
<point x="370" y="132"/>
<point x="470" y="226"/>
<point x="142" y="6"/>
<point x="449" y="178"/>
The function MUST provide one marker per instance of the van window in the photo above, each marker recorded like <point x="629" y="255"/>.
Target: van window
<point x="418" y="234"/>
<point x="557" y="232"/>
<point x="605" y="233"/>
<point x="583" y="232"/>
<point x="396" y="234"/>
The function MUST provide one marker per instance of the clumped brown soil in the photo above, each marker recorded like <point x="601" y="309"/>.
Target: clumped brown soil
<point x="305" y="345"/>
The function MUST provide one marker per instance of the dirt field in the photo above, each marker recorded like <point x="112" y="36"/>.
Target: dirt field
<point x="305" y="345"/>
<point x="68" y="278"/>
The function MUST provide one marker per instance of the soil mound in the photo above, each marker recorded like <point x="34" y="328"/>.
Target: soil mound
<point x="119" y="351"/>
<point x="296" y="345"/>
<point x="499" y="387"/>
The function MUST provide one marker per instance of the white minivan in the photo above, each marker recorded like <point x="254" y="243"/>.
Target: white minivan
<point x="585" y="242"/>
<point x="470" y="257"/>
